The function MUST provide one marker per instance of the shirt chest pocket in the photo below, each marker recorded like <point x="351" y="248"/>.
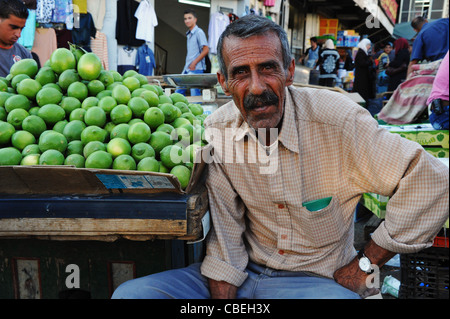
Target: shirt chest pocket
<point x="322" y="227"/>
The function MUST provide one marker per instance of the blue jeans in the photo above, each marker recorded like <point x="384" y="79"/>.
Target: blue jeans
<point x="194" y="92"/>
<point x="440" y="122"/>
<point x="261" y="283"/>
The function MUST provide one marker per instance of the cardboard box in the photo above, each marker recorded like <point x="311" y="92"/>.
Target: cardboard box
<point x="438" y="152"/>
<point x="375" y="203"/>
<point x="68" y="203"/>
<point x="424" y="134"/>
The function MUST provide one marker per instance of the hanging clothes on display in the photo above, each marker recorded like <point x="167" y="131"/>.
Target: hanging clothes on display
<point x="269" y="3"/>
<point x="109" y="29"/>
<point x="126" y="59"/>
<point x="82" y="35"/>
<point x="145" y="60"/>
<point x="27" y="36"/>
<point x="97" y="9"/>
<point x="217" y="25"/>
<point x="63" y="11"/>
<point x="63" y="36"/>
<point x="44" y="11"/>
<point x="127" y="23"/>
<point x="99" y="45"/>
<point x="80" y="6"/>
<point x="44" y="43"/>
<point x="147" y="21"/>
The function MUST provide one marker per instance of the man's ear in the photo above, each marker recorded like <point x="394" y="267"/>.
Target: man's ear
<point x="290" y="73"/>
<point x="223" y="83"/>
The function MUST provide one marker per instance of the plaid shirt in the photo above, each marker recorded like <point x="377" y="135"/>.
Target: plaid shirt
<point x="328" y="147"/>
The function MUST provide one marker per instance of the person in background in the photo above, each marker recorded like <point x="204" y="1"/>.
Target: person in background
<point x="439" y="98"/>
<point x="311" y="56"/>
<point x="382" y="62"/>
<point x="197" y="48"/>
<point x="328" y="64"/>
<point x="365" y="74"/>
<point x="13" y="17"/>
<point x="431" y="42"/>
<point x="398" y="67"/>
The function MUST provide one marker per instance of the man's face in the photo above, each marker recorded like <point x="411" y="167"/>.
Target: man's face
<point x="189" y="20"/>
<point x="256" y="78"/>
<point x="10" y="30"/>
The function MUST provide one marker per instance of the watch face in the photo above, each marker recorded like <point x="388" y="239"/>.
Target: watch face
<point x="364" y="264"/>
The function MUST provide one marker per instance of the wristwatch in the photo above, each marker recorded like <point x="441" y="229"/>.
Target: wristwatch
<point x="364" y="262"/>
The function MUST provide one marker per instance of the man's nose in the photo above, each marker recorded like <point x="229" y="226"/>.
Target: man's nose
<point x="257" y="84"/>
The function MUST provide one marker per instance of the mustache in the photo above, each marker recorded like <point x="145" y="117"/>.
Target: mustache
<point x="266" y="98"/>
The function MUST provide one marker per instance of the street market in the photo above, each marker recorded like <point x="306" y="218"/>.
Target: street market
<point x="112" y="121"/>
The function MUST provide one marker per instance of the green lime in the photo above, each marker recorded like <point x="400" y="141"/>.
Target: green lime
<point x="106" y="77"/>
<point x="10" y="156"/>
<point x="154" y="117"/>
<point x="6" y="131"/>
<point x="138" y="106"/>
<point x="24" y="66"/>
<point x="183" y="107"/>
<point x="151" y="98"/>
<point x="89" y="66"/>
<point x="159" y="140"/>
<point x="17" y="79"/>
<point x="29" y="88"/>
<point x="45" y="75"/>
<point x="69" y="104"/>
<point x="178" y="97"/>
<point x="118" y="146"/>
<point x="103" y="93"/>
<point x="88" y="102"/>
<point x="34" y="124"/>
<point x="78" y="90"/>
<point x="75" y="160"/>
<point x="92" y="147"/>
<point x="72" y="131"/>
<point x="59" y="126"/>
<point x="142" y="79"/>
<point x="52" y="140"/>
<point x="74" y="147"/>
<point x="17" y="101"/>
<point x="139" y="132"/>
<point x="95" y="87"/>
<point x="166" y="127"/>
<point x="131" y="83"/>
<point x="16" y="117"/>
<point x="99" y="159"/>
<point x="51" y="157"/>
<point x="129" y="73"/>
<point x="142" y="150"/>
<point x="77" y="114"/>
<point x="68" y="77"/>
<point x="30" y="159"/>
<point x="20" y="139"/>
<point x="148" y="164"/>
<point x="164" y="99"/>
<point x="183" y="174"/>
<point x="121" y="94"/>
<point x="196" y="109"/>
<point x="31" y="149"/>
<point x="121" y="114"/>
<point x="62" y="59"/>
<point x="48" y="95"/>
<point x="124" y="162"/>
<point x="172" y="155"/>
<point x="107" y="103"/>
<point x="120" y="130"/>
<point x="51" y="113"/>
<point x="170" y="112"/>
<point x="93" y="133"/>
<point x="95" y="116"/>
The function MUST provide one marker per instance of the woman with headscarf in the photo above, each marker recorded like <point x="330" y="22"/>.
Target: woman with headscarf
<point x="365" y="74"/>
<point x="328" y="64"/>
<point x="398" y="67"/>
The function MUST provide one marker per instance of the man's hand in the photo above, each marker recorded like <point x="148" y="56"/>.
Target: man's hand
<point x="222" y="290"/>
<point x="353" y="278"/>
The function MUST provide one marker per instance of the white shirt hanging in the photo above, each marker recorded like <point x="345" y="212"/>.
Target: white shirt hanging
<point x="217" y="25"/>
<point x="147" y="21"/>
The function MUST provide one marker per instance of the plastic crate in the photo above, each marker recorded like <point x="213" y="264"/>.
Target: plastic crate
<point x="424" y="275"/>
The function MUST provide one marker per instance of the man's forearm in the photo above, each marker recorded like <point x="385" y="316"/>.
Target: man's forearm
<point x="222" y="289"/>
<point x="410" y="67"/>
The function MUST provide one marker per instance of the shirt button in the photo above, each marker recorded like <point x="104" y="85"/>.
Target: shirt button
<point x="280" y="206"/>
<point x="281" y="252"/>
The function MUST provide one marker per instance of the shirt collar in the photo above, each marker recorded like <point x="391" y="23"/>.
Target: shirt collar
<point x="193" y="31"/>
<point x="288" y="135"/>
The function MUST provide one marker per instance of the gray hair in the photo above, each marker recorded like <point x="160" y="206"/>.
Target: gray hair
<point x="251" y="25"/>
